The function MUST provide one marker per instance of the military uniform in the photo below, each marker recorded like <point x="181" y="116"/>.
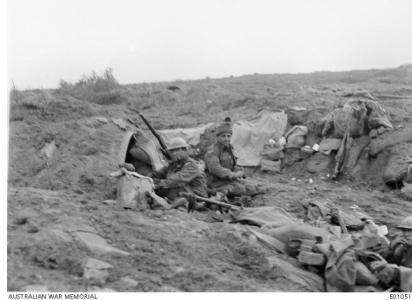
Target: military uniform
<point x="221" y="166"/>
<point x="183" y="176"/>
<point x="397" y="271"/>
<point x="400" y="254"/>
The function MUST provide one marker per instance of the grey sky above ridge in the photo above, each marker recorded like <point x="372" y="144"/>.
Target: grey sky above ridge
<point x="159" y="40"/>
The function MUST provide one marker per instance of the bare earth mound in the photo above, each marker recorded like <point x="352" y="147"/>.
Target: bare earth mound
<point x="64" y="233"/>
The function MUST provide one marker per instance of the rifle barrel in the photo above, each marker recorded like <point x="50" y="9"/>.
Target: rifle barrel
<point x="211" y="201"/>
<point x="157" y="136"/>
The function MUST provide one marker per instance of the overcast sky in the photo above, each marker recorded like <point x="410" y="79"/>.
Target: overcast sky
<point x="156" y="40"/>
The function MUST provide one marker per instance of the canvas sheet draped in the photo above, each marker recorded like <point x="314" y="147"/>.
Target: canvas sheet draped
<point x="248" y="137"/>
<point x="191" y="135"/>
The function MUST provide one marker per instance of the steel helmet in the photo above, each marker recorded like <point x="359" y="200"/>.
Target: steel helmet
<point x="406" y="223"/>
<point x="176" y="143"/>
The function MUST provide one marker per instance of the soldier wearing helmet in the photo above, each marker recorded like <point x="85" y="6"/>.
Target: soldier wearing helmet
<point x="400" y="250"/>
<point x="183" y="175"/>
<point x="397" y="271"/>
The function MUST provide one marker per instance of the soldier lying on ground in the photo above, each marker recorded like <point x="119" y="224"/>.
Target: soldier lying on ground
<point x="224" y="175"/>
<point x="397" y="271"/>
<point x="182" y="175"/>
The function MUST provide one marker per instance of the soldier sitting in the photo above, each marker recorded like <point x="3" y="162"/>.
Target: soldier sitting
<point x="182" y="175"/>
<point x="224" y="175"/>
<point x="397" y="271"/>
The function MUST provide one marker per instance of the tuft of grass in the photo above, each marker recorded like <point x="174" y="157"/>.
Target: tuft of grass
<point x="100" y="89"/>
<point x="24" y="103"/>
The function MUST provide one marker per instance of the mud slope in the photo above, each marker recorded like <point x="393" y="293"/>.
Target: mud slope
<point x="62" y="150"/>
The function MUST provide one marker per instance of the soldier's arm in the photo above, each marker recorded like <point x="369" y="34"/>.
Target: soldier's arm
<point x="395" y="252"/>
<point x="238" y="168"/>
<point x="215" y="168"/>
<point x="189" y="172"/>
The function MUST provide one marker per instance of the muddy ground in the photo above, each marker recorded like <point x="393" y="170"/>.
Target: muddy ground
<point x="64" y="145"/>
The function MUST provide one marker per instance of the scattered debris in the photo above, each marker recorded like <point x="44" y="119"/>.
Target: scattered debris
<point x="110" y="202"/>
<point x="121" y="123"/>
<point x="307" y="149"/>
<point x="96" y="271"/>
<point x="311" y="258"/>
<point x="49" y="149"/>
<point x="97" y="244"/>
<point x="298" y="108"/>
<point x="102" y="120"/>
<point x="128" y="282"/>
<point x="173" y="88"/>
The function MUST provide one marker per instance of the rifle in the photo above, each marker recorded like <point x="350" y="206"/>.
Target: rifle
<point x="162" y="144"/>
<point x="211" y="201"/>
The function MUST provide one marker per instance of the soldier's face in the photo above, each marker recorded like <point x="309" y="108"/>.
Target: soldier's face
<point x="179" y="154"/>
<point x="224" y="138"/>
<point x="407" y="235"/>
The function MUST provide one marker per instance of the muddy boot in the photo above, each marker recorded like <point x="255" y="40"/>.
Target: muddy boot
<point x="179" y="202"/>
<point x="255" y="190"/>
<point x="201" y="206"/>
<point x="214" y="207"/>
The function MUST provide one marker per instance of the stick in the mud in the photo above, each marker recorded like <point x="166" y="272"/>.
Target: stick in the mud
<point x="157" y="136"/>
<point x="211" y="201"/>
<point x="341" y="221"/>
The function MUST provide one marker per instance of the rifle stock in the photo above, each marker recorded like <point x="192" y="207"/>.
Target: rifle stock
<point x="211" y="201"/>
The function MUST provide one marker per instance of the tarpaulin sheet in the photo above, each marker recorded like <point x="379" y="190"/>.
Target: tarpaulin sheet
<point x="248" y="137"/>
<point x="265" y="216"/>
<point x="309" y="280"/>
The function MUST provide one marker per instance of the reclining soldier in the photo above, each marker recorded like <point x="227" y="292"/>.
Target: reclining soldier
<point x="224" y="175"/>
<point x="397" y="271"/>
<point x="183" y="175"/>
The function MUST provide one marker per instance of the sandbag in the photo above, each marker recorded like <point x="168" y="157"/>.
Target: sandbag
<point x="340" y="271"/>
<point x="397" y="167"/>
<point x="270" y="166"/>
<point x="298" y="231"/>
<point x="316" y="209"/>
<point x="377" y="115"/>
<point x="293" y="155"/>
<point x="328" y="145"/>
<point x="352" y="221"/>
<point x="132" y="192"/>
<point x="351" y="116"/>
<point x="296" y="136"/>
<point x="390" y="138"/>
<point x="272" y="152"/>
<point x="319" y="163"/>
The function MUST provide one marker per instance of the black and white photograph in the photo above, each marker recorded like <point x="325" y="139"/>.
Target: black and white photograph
<point x="228" y="146"/>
